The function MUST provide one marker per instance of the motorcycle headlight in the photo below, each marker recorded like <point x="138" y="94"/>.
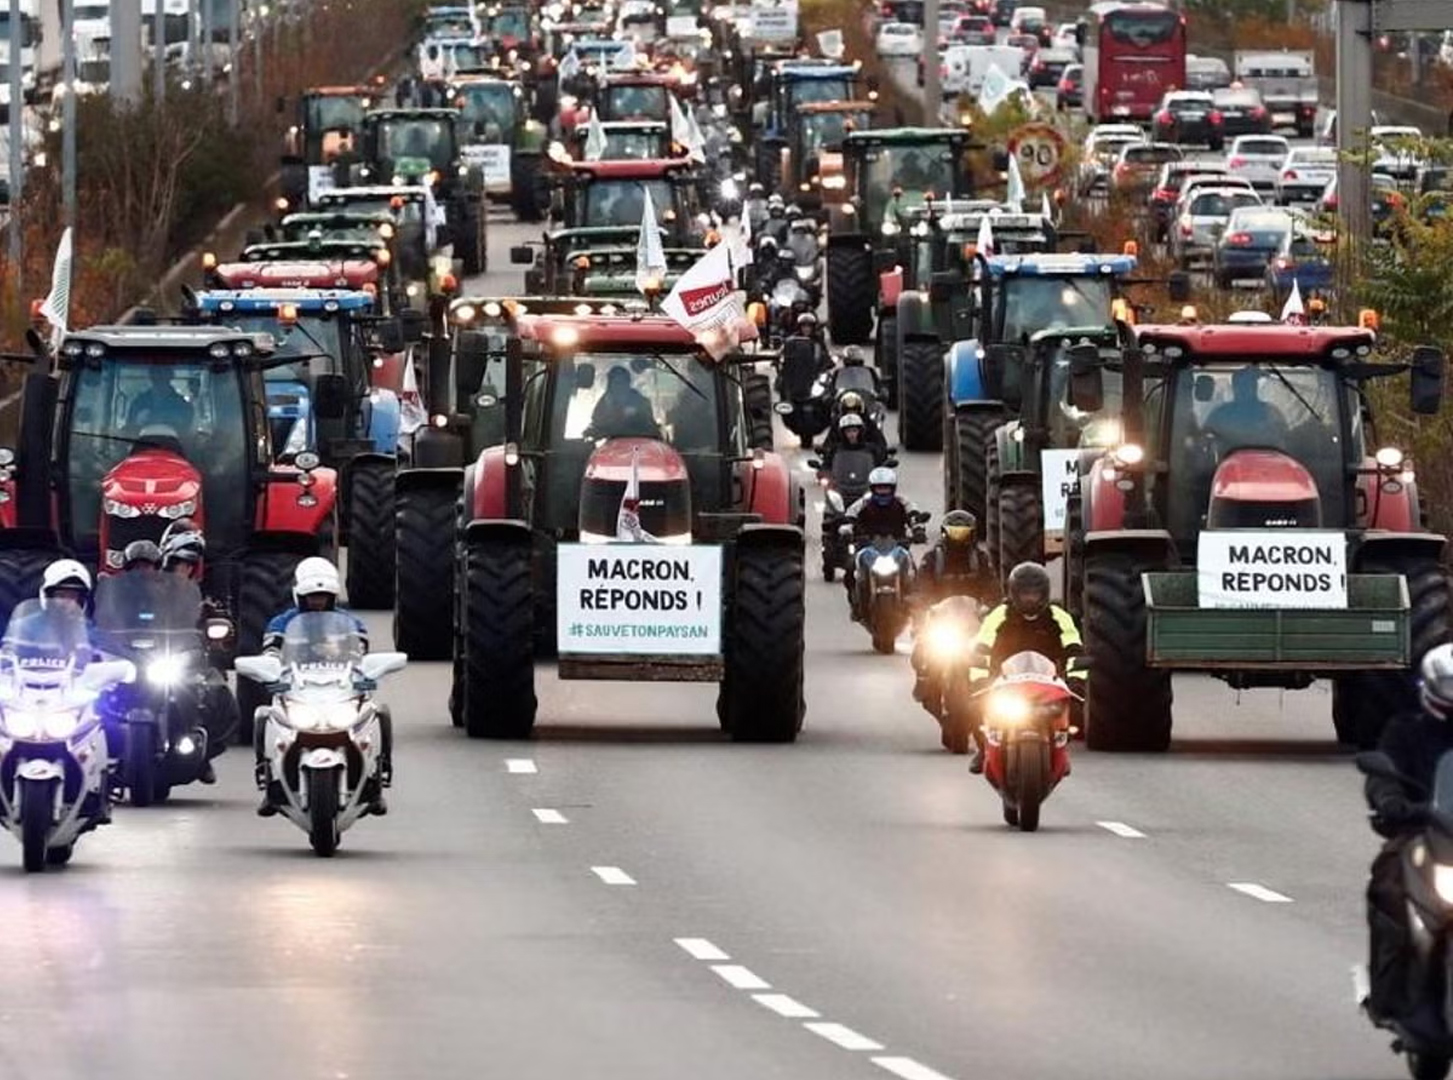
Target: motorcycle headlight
<point x="179" y="510"/>
<point x="121" y="509"/>
<point x="41" y="724"/>
<point x="806" y="273"/>
<point x="1443" y="883"/>
<point x="945" y="640"/>
<point x="786" y="292"/>
<point x="1008" y="709"/>
<point x="320" y="716"/>
<point x="166" y="670"/>
<point x="891" y="228"/>
<point x="729" y="189"/>
<point x="22" y="723"/>
<point x="885" y="566"/>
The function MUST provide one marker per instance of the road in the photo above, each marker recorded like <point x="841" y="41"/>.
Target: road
<point x="630" y="896"/>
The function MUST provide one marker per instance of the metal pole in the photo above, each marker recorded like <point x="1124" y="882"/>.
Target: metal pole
<point x="189" y="60"/>
<point x="258" y="28"/>
<point x="207" y="44"/>
<point x="17" y="145"/>
<point x="932" y="87"/>
<point x="126" y="53"/>
<point x="158" y="51"/>
<point x="68" y="111"/>
<point x="234" y="59"/>
<point x="1354" y="115"/>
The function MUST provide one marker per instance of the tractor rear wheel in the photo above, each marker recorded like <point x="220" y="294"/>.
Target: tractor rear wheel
<point x="425" y="521"/>
<point x="850" y="293"/>
<point x="20" y="574"/>
<point x="885" y="357"/>
<point x="1021" y="528"/>
<point x="371" y="534"/>
<point x="499" y="640"/>
<point x="920" y="395"/>
<point x="973" y="433"/>
<point x="1127" y="704"/>
<point x="470" y="247"/>
<point x="264" y="589"/>
<point x="990" y="521"/>
<point x="757" y="389"/>
<point x="761" y="696"/>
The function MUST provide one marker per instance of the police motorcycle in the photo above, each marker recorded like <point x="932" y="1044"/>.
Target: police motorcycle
<point x="883" y="581"/>
<point x="323" y="735"/>
<point x="843" y="483"/>
<point x="164" y="728"/>
<point x="54" y="768"/>
<point x="943" y="658"/>
<point x="1427" y="873"/>
<point x="1026" y="725"/>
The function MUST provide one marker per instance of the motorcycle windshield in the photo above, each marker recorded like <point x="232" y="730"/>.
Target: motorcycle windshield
<point x="1443" y="785"/>
<point x="322" y="649"/>
<point x="141" y="613"/>
<point x="850" y="469"/>
<point x="854" y="378"/>
<point x="43" y="647"/>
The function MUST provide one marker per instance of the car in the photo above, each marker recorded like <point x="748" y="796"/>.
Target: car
<point x="1304" y="258"/>
<point x="1305" y="174"/>
<point x="1066" y="36"/>
<point x="899" y="39"/>
<point x="1070" y="93"/>
<point x="1251" y="239"/>
<point x="1385" y="197"/>
<point x="1206" y="73"/>
<point x="1027" y="44"/>
<point x="1167" y="190"/>
<point x="1328" y="135"/>
<point x="1138" y="163"/>
<point x="975" y="30"/>
<point x="1433" y="178"/>
<point x="1098" y="153"/>
<point x="1242" y="111"/>
<point x="1190" y="117"/>
<point x="1201" y="217"/>
<point x="1394" y="156"/>
<point x="1047" y="67"/>
<point x="1031" y="20"/>
<point x="1258" y="158"/>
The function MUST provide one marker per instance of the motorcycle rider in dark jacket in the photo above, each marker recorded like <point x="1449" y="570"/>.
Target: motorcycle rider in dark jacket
<point x="852" y="431"/>
<point x="881" y="512"/>
<point x="1415" y="742"/>
<point x="954" y="567"/>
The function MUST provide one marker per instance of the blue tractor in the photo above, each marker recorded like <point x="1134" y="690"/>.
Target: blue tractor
<point x="323" y="398"/>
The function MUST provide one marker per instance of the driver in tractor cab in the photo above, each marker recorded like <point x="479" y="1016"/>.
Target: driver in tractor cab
<point x="623" y="411"/>
<point x="1025" y="622"/>
<point x="160" y="405"/>
<point x="1245" y="420"/>
<point x="316" y="586"/>
<point x="912" y="173"/>
<point x="851" y="433"/>
<point x="141" y="557"/>
<point x="881" y="512"/>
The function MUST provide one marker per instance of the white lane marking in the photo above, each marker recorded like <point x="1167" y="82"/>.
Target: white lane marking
<point x="550" y="817"/>
<point x="786" y="1006"/>
<point x="908" y="1069"/>
<point x="740" y="978"/>
<point x="1119" y="828"/>
<point x="520" y="765"/>
<point x="1260" y="892"/>
<point x="698" y="948"/>
<point x="841" y="1035"/>
<point x="612" y="875"/>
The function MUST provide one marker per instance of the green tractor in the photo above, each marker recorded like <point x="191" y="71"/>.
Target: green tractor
<point x="585" y="266"/>
<point x="810" y="169"/>
<point x="888" y="172"/>
<point x="326" y="121"/>
<point x="787" y="86"/>
<point x="502" y="139"/>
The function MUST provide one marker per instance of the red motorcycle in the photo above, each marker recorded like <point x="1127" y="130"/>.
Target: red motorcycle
<point x="1026" y="729"/>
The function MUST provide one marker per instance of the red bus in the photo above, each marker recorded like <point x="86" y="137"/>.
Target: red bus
<point x="1133" y="54"/>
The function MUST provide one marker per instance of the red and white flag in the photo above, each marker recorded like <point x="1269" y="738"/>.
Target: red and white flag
<point x="628" y="517"/>
<point x="706" y="302"/>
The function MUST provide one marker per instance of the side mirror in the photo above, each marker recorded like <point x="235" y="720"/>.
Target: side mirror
<point x="101" y="674"/>
<point x="890" y="463"/>
<point x="413" y="323"/>
<point x="330" y="396"/>
<point x="1426" y="375"/>
<point x="219" y="629"/>
<point x="921" y="517"/>
<point x="375" y="666"/>
<point x="1179" y="286"/>
<point x="263" y="669"/>
<point x="390" y="336"/>
<point x="522" y="255"/>
<point x="1087" y="379"/>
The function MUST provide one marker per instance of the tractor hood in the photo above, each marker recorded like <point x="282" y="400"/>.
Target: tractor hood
<point x="663" y="489"/>
<point x="143" y="494"/>
<point x="340" y="274"/>
<point x="1257" y="489"/>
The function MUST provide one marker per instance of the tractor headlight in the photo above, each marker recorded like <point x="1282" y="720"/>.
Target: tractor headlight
<point x="891" y="228"/>
<point x="1129" y="454"/>
<point x="1390" y="457"/>
<point x="834" y="182"/>
<point x="182" y="509"/>
<point x="115" y="508"/>
<point x="1443" y="882"/>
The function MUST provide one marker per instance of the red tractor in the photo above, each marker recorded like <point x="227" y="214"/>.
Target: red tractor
<point x="1248" y="526"/>
<point x="622" y="427"/>
<point x="140" y="426"/>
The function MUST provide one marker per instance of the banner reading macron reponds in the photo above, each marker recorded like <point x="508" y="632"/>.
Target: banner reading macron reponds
<point x="645" y="599"/>
<point x="1272" y="568"/>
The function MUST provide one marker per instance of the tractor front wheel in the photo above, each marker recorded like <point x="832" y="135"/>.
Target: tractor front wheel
<point x="850" y="293"/>
<point x="761" y="696"/>
<point x="371" y="534"/>
<point x="920" y="395"/>
<point x="425" y="521"/>
<point x="1127" y="704"/>
<point x="499" y="640"/>
<point x="1021" y="527"/>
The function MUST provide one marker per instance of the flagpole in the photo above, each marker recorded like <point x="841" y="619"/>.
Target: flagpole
<point x="68" y="111"/>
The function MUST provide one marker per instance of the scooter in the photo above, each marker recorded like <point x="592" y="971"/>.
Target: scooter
<point x="842" y="485"/>
<point x="1026" y="729"/>
<point x="883" y="582"/>
<point x="325" y="740"/>
<point x="1427" y="871"/>
<point x="53" y="758"/>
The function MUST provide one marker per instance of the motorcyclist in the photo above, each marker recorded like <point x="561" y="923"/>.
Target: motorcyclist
<point x="141" y="557"/>
<point x="881" y="512"/>
<point x="754" y="208"/>
<point x="852" y="357"/>
<point x="316" y="586"/>
<point x="776" y="224"/>
<point x="852" y="403"/>
<point x="65" y="594"/>
<point x="63" y="582"/>
<point x="1414" y="741"/>
<point x="954" y="567"/>
<point x="852" y="431"/>
<point x="1026" y="622"/>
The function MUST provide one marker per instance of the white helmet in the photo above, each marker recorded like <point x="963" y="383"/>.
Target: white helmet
<point x="882" y="476"/>
<point x="315" y="575"/>
<point x="64" y="574"/>
<point x="1436" y="680"/>
<point x="851" y="419"/>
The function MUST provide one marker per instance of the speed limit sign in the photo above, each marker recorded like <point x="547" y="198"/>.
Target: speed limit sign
<point x="1040" y="148"/>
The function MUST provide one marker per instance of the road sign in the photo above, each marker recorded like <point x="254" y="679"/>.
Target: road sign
<point x="1040" y="149"/>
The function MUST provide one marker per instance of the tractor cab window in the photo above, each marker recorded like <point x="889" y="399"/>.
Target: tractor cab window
<point x="417" y="137"/>
<point x="1298" y="411"/>
<point x="467" y="57"/>
<point x="512" y="22"/>
<point x="193" y="407"/>
<point x="629" y="145"/>
<point x="488" y="110"/>
<point x="1072" y="427"/>
<point x="620" y="202"/>
<point x="809" y="91"/>
<point x="316" y="342"/>
<point x="410" y="213"/>
<point x="912" y="168"/>
<point x="358" y="232"/>
<point x="1029" y="303"/>
<point x="825" y="131"/>
<point x="334" y="113"/>
<point x="633" y="102"/>
<point x="672" y="398"/>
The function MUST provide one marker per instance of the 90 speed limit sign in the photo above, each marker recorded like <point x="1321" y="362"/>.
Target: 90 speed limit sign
<point x="1040" y="148"/>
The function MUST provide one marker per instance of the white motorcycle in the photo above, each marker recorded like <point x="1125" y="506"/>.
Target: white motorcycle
<point x="54" y="767"/>
<point x="323" y="735"/>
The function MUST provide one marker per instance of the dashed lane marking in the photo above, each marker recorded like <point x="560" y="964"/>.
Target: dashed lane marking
<point x="841" y="1035"/>
<point x="1119" y="828"/>
<point x="786" y="1006"/>
<point x="520" y="765"/>
<point x="698" y="948"/>
<point x="741" y="978"/>
<point x="547" y="816"/>
<point x="612" y="875"/>
<point x="1260" y="892"/>
<point x="908" y="1069"/>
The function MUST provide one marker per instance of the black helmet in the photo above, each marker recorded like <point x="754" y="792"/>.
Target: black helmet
<point x="1029" y="590"/>
<point x="959" y="528"/>
<point x="141" y="551"/>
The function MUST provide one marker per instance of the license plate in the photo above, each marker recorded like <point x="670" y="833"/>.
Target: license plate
<point x="1193" y="116"/>
<point x="1120" y="110"/>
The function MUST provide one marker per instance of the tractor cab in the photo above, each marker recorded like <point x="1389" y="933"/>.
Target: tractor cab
<point x="451" y="21"/>
<point x="789" y="84"/>
<point x="315" y="263"/>
<point x="889" y="172"/>
<point x="1020" y="295"/>
<point x="348" y="226"/>
<point x="500" y="138"/>
<point x="812" y="168"/>
<point x="418" y="221"/>
<point x="323" y="135"/>
<point x="636" y="96"/>
<point x="511" y="28"/>
<point x="628" y="140"/>
<point x="611" y="194"/>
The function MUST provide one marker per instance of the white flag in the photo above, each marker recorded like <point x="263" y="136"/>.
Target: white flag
<point x="830" y="44"/>
<point x="57" y="306"/>
<point x="744" y="255"/>
<point x="1015" y="194"/>
<point x="1293" y="311"/>
<point x="695" y="141"/>
<point x="995" y="89"/>
<point x="625" y="57"/>
<point x="569" y="66"/>
<point x="984" y="244"/>
<point x="680" y="128"/>
<point x="412" y="414"/>
<point x="594" y="138"/>
<point x="706" y="302"/>
<point x="650" y="256"/>
<point x="1044" y="207"/>
<point x="628" y="517"/>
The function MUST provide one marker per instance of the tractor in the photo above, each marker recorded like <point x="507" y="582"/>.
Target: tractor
<point x="540" y="515"/>
<point x="418" y="237"/>
<point x="595" y="268"/>
<point x="1245" y="526"/>
<point x="321" y="400"/>
<point x="784" y="88"/>
<point x="633" y="140"/>
<point x="325" y="228"/>
<point x="325" y="125"/>
<point x="888" y="172"/>
<point x="925" y="302"/>
<point x="503" y="141"/>
<point x="424" y="144"/>
<point x="810" y="171"/>
<point x="135" y="427"/>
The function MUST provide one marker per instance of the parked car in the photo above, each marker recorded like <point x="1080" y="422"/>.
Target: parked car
<point x="1206" y="73"/>
<point x="1251" y="239"/>
<point x="975" y="30"/>
<point x="1304" y="257"/>
<point x="1242" y="111"/>
<point x="1070" y="93"/>
<point x="1305" y="174"/>
<point x="1189" y="117"/>
<point x="1201" y="217"/>
<point x="1167" y="190"/>
<point x="1258" y="158"/>
<point x="1138" y="163"/>
<point x="1048" y="66"/>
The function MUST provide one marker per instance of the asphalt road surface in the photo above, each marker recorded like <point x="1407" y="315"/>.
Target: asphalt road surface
<point x="630" y="896"/>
